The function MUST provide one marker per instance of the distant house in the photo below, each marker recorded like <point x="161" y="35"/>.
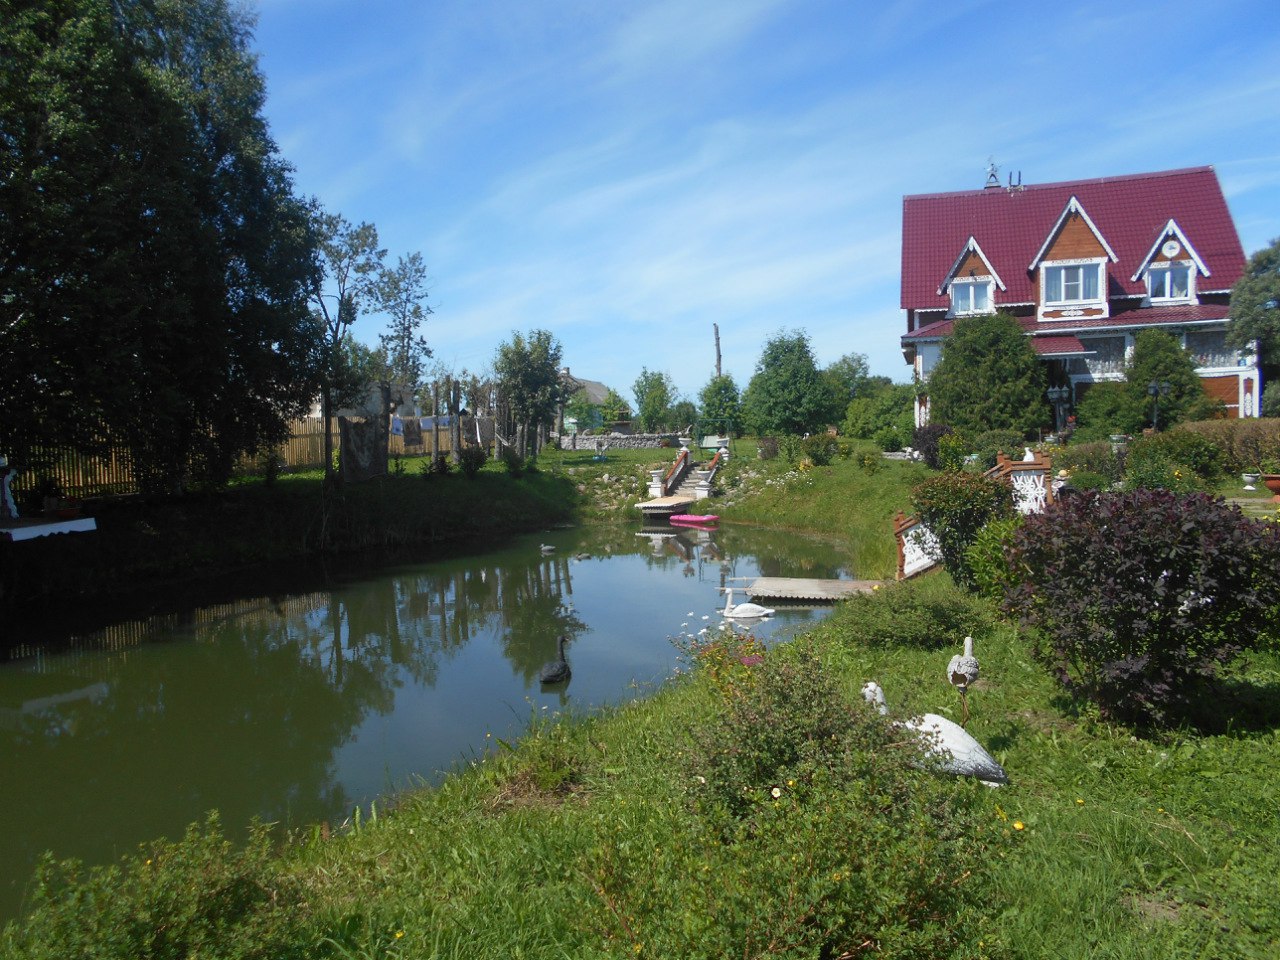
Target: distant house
<point x="1083" y="265"/>
<point x="596" y="393"/>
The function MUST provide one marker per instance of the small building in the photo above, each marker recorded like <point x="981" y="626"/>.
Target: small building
<point x="1083" y="265"/>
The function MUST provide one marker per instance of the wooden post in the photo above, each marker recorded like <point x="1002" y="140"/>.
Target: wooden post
<point x="455" y="421"/>
<point x="435" y="423"/>
<point x="716" y="328"/>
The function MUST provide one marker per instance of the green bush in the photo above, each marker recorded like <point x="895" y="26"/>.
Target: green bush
<point x="1140" y="598"/>
<point x="767" y="448"/>
<point x="987" y="445"/>
<point x="955" y="506"/>
<point x="1183" y="447"/>
<point x="1155" y="471"/>
<point x="199" y="897"/>
<point x="472" y="460"/>
<point x="1086" y="480"/>
<point x="953" y="449"/>
<point x="928" y="612"/>
<point x="820" y="448"/>
<point x="513" y="461"/>
<point x="1096" y="457"/>
<point x="1242" y="444"/>
<point x="988" y="561"/>
<point x="925" y="441"/>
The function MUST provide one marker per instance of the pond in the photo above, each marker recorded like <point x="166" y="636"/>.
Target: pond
<point x="297" y="705"/>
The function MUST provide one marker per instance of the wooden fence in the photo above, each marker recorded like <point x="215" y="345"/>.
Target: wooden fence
<point x="112" y="473"/>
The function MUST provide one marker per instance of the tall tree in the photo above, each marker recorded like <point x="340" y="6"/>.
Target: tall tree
<point x="154" y="260"/>
<point x="721" y="410"/>
<point x="654" y="392"/>
<point x="528" y="373"/>
<point x="847" y="378"/>
<point x="1159" y="358"/>
<point x="401" y="294"/>
<point x="787" y="394"/>
<point x="1255" y="308"/>
<point x="614" y="407"/>
<point x="988" y="378"/>
<point x="351" y="263"/>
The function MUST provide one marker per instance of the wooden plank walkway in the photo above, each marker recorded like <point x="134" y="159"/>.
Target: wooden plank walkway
<point x="665" y="506"/>
<point x="796" y="588"/>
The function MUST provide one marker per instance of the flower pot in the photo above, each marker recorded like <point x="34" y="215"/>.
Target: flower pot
<point x="1250" y="479"/>
<point x="1272" y="482"/>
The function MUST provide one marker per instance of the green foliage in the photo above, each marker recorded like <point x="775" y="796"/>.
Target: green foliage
<point x="988" y="561"/>
<point x="1096" y="458"/>
<point x="955" y="506"/>
<point x="614" y="408"/>
<point x="1242" y="444"/>
<point x="1108" y="408"/>
<point x="528" y="374"/>
<point x="587" y="415"/>
<point x="513" y="461"/>
<point x="1140" y="598"/>
<point x="472" y="460"/>
<point x="787" y="394"/>
<point x="767" y="448"/>
<point x="988" y="378"/>
<point x="928" y="613"/>
<point x="1255" y="306"/>
<point x="655" y="392"/>
<point x="721" y="407"/>
<point x="884" y="415"/>
<point x="848" y="378"/>
<point x="1181" y="447"/>
<point x="401" y="292"/>
<point x="925" y="441"/>
<point x="437" y="466"/>
<point x="953" y="450"/>
<point x="820" y="448"/>
<point x="1156" y="471"/>
<point x="1158" y="357"/>
<point x="988" y="444"/>
<point x="156" y="261"/>
<point x="197" y="897"/>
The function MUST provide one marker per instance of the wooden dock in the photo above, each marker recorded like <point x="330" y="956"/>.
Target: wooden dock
<point x="796" y="588"/>
<point x="665" y="506"/>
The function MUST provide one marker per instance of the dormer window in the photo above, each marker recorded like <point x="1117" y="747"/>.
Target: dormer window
<point x="1072" y="284"/>
<point x="1168" y="282"/>
<point x="970" y="296"/>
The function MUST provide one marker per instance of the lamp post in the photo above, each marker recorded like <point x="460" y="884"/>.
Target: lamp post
<point x="1156" y="390"/>
<point x="1058" y="398"/>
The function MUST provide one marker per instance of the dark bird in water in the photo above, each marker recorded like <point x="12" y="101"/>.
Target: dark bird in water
<point x="557" y="671"/>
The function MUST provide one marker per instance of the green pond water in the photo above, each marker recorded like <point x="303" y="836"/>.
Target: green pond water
<point x="295" y="704"/>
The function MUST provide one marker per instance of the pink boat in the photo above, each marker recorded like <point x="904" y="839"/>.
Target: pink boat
<point x="696" y="519"/>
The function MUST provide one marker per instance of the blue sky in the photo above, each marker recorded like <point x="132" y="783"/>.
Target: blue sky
<point x="626" y="174"/>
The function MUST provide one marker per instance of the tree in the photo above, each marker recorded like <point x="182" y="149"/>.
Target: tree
<point x="885" y="414"/>
<point x="154" y="260"/>
<point x="787" y="394"/>
<point x="847" y="378"/>
<point x="585" y="413"/>
<point x="614" y="408"/>
<point x="1255" y="307"/>
<point x="401" y="292"/>
<point x="721" y="407"/>
<point x="1160" y="358"/>
<point x="351" y="263"/>
<point x="654" y="393"/>
<point x="988" y="378"/>
<point x="528" y="373"/>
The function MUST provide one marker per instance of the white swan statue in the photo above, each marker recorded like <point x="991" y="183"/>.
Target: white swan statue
<point x="742" y="611"/>
<point x="955" y="749"/>
<point x="546" y="548"/>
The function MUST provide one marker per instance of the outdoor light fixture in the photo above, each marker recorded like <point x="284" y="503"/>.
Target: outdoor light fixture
<point x="1156" y="390"/>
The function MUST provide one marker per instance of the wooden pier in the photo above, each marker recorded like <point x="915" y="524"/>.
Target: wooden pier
<point x="665" y="506"/>
<point x="796" y="588"/>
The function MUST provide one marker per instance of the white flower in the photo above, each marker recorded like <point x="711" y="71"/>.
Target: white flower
<point x="777" y="792"/>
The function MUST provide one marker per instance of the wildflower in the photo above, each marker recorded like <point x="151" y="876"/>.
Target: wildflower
<point x="791" y="783"/>
<point x="399" y="934"/>
<point x="777" y="792"/>
<point x="1079" y="802"/>
<point x="875" y="587"/>
<point x="1018" y="825"/>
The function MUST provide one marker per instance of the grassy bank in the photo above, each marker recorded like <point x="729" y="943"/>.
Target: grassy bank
<point x="753" y="807"/>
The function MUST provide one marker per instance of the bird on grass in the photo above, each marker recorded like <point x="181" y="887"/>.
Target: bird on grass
<point x="742" y="611"/>
<point x="961" y="672"/>
<point x="557" y="670"/>
<point x="954" y="747"/>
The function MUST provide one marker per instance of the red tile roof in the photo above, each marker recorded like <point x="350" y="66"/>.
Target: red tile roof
<point x="1010" y="225"/>
<point x="1153" y="317"/>
<point x="1062" y="346"/>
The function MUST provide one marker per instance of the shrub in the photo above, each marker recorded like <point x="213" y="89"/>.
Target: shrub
<point x="1182" y="447"/>
<point x="1155" y="471"/>
<point x="198" y="897"/>
<point x="931" y="613"/>
<point x="767" y="448"/>
<point x="820" y="448"/>
<point x="926" y="440"/>
<point x="953" y="450"/>
<point x="472" y="459"/>
<point x="790" y="449"/>
<point x="1140" y="597"/>
<point x="1094" y="457"/>
<point x="1086" y="480"/>
<point x="1242" y="444"/>
<point x="513" y="460"/>
<point x="955" y="506"/>
<point x="987" y="445"/>
<point x="993" y="576"/>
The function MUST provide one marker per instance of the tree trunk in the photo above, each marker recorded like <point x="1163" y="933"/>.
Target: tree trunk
<point x="455" y="421"/>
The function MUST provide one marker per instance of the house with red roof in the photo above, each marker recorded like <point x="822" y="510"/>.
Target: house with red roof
<point x="1083" y="265"/>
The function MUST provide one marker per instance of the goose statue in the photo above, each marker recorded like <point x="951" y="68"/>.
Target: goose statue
<point x="557" y="670"/>
<point x="954" y="747"/>
<point x="546" y="548"/>
<point x="742" y="611"/>
<point x="961" y="672"/>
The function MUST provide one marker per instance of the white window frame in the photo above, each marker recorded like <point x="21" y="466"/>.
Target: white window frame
<point x="1164" y="267"/>
<point x="1081" y="303"/>
<point x="969" y="284"/>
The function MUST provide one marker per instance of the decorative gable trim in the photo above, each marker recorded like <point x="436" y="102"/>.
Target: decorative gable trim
<point x="970" y="247"/>
<point x="1171" y="229"/>
<point x="1073" y="206"/>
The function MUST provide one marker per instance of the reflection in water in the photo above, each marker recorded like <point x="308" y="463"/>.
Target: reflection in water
<point x="293" y="708"/>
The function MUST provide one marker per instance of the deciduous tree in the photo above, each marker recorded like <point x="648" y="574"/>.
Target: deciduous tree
<point x="528" y="373"/>
<point x="787" y="394"/>
<point x="654" y="392"/>
<point x="721" y="406"/>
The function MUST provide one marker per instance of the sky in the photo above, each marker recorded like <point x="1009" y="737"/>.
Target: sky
<point x="627" y="174"/>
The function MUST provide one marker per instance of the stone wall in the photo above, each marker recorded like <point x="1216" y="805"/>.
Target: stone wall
<point x="622" y="441"/>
